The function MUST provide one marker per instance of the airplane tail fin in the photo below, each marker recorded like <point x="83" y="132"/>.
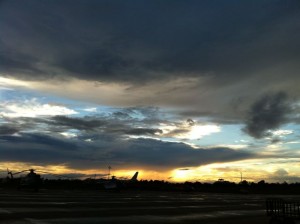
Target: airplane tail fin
<point x="134" y="178"/>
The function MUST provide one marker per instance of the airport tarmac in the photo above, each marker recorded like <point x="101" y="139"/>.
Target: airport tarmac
<point x="65" y="207"/>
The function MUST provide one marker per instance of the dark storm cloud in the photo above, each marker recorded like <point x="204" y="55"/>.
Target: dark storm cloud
<point x="86" y="123"/>
<point x="108" y="125"/>
<point x="96" y="124"/>
<point x="112" y="124"/>
<point x="161" y="155"/>
<point x="138" y="41"/>
<point x="275" y="140"/>
<point x="57" y="123"/>
<point x="153" y="154"/>
<point x="267" y="113"/>
<point x="181" y="155"/>
<point x="37" y="148"/>
<point x="145" y="114"/>
<point x="8" y="130"/>
<point x="143" y="131"/>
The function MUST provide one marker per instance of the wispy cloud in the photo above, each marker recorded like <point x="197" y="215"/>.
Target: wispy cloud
<point x="189" y="129"/>
<point x="32" y="108"/>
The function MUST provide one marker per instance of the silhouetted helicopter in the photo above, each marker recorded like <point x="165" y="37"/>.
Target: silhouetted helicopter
<point x="32" y="180"/>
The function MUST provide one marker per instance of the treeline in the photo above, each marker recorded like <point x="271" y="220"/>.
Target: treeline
<point x="222" y="186"/>
<point x="243" y="187"/>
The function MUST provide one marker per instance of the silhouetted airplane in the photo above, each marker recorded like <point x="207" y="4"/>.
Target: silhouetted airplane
<point x="114" y="183"/>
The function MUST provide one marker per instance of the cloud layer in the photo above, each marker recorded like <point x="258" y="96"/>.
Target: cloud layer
<point x="210" y="58"/>
<point x="41" y="149"/>
<point x="173" y="72"/>
<point x="142" y="41"/>
<point x="127" y="138"/>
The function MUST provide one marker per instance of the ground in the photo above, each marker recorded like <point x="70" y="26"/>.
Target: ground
<point x="65" y="207"/>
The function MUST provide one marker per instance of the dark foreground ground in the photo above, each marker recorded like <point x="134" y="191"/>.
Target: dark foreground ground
<point x="143" y="207"/>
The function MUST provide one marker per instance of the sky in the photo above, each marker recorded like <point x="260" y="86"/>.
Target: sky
<point x="177" y="90"/>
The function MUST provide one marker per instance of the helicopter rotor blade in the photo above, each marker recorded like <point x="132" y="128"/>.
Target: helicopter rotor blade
<point x="20" y="172"/>
<point x="97" y="175"/>
<point x="45" y="172"/>
<point x="54" y="174"/>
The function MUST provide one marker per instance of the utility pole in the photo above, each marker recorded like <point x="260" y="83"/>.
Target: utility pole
<point x="109" y="168"/>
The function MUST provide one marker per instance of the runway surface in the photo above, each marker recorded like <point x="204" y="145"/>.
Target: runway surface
<point x="91" y="207"/>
